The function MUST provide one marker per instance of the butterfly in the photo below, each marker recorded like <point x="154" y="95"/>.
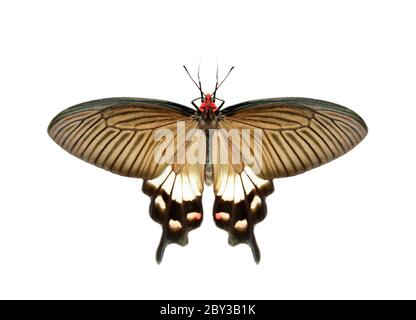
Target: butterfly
<point x="280" y="137"/>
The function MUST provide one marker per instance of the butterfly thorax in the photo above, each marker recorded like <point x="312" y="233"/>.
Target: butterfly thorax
<point x="208" y="113"/>
<point x="208" y="119"/>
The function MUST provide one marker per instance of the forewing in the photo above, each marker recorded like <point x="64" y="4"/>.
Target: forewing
<point x="117" y="134"/>
<point x="298" y="134"/>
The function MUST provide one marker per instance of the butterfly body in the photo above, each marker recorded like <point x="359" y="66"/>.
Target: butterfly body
<point x="121" y="135"/>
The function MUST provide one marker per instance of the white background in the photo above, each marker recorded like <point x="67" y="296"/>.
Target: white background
<point x="71" y="230"/>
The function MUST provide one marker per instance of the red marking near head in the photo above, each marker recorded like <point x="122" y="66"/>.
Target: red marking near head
<point x="208" y="104"/>
<point x="218" y="216"/>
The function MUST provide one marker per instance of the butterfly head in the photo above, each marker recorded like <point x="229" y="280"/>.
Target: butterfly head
<point x="208" y="104"/>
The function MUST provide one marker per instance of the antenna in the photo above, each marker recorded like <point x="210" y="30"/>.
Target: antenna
<point x="216" y="83"/>
<point x="199" y="81"/>
<point x="219" y="85"/>
<point x="198" y="86"/>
